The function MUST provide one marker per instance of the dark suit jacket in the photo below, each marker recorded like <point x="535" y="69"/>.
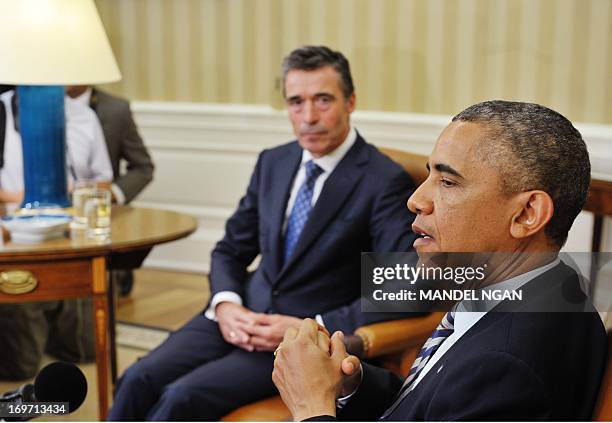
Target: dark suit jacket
<point x="511" y="365"/>
<point x="362" y="207"/>
<point x="123" y="142"/>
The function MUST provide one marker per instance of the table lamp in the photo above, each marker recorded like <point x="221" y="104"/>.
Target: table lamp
<point x="44" y="45"/>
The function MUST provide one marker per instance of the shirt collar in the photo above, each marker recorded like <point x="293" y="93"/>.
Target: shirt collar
<point x="470" y="312"/>
<point x="329" y="161"/>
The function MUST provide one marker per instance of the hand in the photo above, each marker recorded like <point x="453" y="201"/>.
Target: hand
<point x="308" y="370"/>
<point x="104" y="184"/>
<point x="351" y="368"/>
<point x="11" y="197"/>
<point x="233" y="320"/>
<point x="268" y="330"/>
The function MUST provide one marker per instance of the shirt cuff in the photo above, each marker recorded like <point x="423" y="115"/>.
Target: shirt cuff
<point x="319" y="320"/>
<point x="341" y="402"/>
<point x="118" y="194"/>
<point x="220" y="297"/>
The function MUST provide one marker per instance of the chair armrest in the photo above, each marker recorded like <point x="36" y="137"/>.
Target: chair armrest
<point x="397" y="335"/>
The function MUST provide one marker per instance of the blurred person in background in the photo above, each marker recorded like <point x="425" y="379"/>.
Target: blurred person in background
<point x="125" y="145"/>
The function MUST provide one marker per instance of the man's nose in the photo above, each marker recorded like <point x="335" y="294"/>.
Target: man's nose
<point x="420" y="201"/>
<point x="311" y="114"/>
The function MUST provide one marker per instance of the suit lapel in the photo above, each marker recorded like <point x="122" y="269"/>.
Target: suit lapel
<point x="337" y="189"/>
<point x="283" y="173"/>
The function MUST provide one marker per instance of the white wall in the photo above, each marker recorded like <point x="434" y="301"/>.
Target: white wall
<point x="204" y="155"/>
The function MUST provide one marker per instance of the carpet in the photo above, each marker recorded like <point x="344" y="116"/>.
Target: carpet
<point x="140" y="337"/>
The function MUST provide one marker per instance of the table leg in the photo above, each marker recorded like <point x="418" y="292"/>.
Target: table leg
<point x="112" y="325"/>
<point x="100" y="310"/>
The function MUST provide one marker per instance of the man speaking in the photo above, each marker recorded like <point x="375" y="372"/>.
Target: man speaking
<point x="506" y="180"/>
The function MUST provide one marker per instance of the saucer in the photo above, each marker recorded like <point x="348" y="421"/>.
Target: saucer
<point x="36" y="228"/>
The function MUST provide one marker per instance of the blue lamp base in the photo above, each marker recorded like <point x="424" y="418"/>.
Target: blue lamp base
<point x="43" y="137"/>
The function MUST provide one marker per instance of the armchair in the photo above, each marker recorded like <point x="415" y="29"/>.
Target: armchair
<point x="603" y="408"/>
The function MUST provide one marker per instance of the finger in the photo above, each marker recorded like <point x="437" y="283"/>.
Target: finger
<point x="263" y="318"/>
<point x="237" y="335"/>
<point x="228" y="334"/>
<point x="290" y="334"/>
<point x="237" y="338"/>
<point x="338" y="349"/>
<point x="262" y="344"/>
<point x="256" y="330"/>
<point x="259" y="318"/>
<point x="323" y="341"/>
<point x="308" y="330"/>
<point x="246" y="316"/>
<point x="350" y="365"/>
<point x="324" y="330"/>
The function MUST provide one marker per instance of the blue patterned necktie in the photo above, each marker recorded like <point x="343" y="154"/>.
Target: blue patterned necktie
<point x="301" y="208"/>
<point x="443" y="331"/>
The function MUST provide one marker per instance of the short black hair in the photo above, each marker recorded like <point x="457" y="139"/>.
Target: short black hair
<point x="316" y="57"/>
<point x="534" y="147"/>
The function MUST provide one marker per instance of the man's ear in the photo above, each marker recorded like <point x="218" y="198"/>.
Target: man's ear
<point x="534" y="211"/>
<point x="350" y="103"/>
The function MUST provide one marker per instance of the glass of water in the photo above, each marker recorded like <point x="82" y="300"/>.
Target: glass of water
<point x="98" y="213"/>
<point x="82" y="191"/>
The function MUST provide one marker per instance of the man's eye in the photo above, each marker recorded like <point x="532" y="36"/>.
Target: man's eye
<point x="323" y="101"/>
<point x="446" y="182"/>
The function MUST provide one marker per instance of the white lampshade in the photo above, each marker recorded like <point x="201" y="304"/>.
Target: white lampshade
<point x="54" y="42"/>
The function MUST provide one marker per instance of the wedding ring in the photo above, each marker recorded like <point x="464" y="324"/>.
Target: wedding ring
<point x="276" y="351"/>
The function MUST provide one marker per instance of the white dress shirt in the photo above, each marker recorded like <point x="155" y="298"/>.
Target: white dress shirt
<point x="85" y="100"/>
<point x="328" y="163"/>
<point x="85" y="144"/>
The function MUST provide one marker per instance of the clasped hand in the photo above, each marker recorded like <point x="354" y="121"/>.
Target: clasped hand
<point x="252" y="331"/>
<point x="312" y="370"/>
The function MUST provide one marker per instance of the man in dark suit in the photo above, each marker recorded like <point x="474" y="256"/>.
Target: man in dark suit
<point x="506" y="178"/>
<point x="311" y="207"/>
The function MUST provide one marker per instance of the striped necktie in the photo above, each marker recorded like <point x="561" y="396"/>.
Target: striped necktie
<point x="443" y="331"/>
<point x="301" y="208"/>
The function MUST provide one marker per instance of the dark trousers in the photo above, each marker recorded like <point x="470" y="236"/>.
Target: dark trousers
<point x="63" y="329"/>
<point x="193" y="375"/>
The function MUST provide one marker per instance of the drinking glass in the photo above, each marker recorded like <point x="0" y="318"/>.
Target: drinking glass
<point x="98" y="212"/>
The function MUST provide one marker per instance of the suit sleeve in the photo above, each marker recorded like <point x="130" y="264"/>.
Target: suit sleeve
<point x="391" y="231"/>
<point x="240" y="244"/>
<point x="99" y="160"/>
<point x="375" y="394"/>
<point x="494" y="386"/>
<point x="140" y="167"/>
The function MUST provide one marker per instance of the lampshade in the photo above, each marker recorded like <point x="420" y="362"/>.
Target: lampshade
<point x="45" y="44"/>
<point x="54" y="42"/>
